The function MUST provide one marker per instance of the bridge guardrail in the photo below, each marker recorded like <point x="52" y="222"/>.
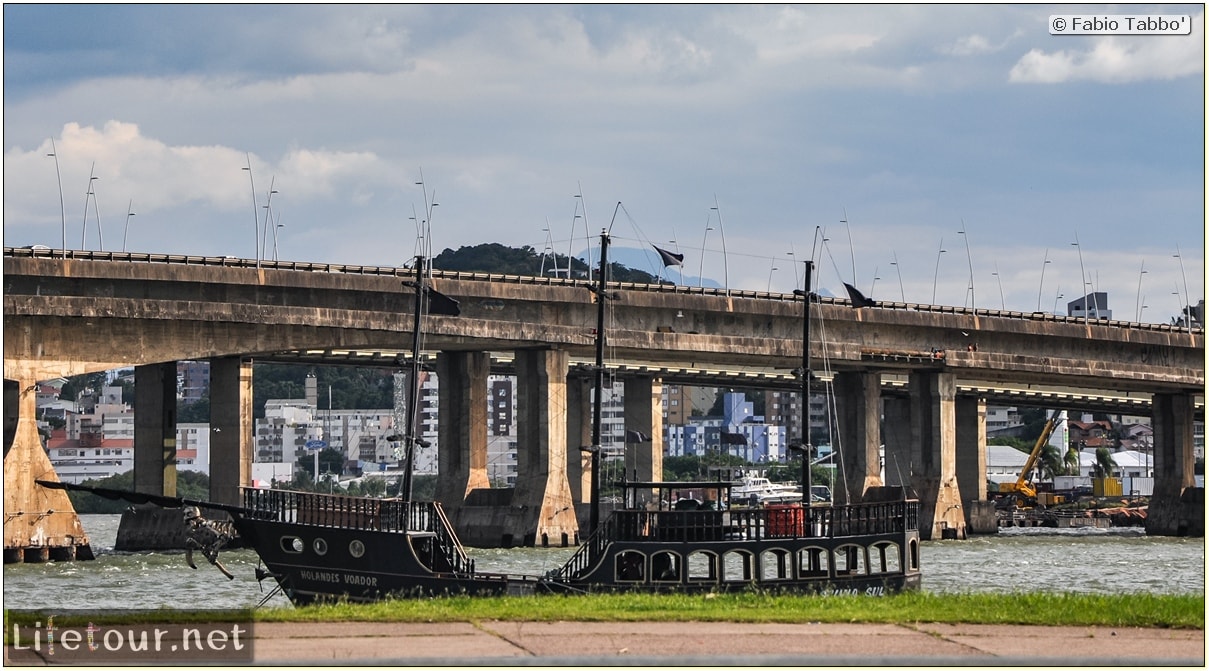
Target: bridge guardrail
<point x="308" y="266"/>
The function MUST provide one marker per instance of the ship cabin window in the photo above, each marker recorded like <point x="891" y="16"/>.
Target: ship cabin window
<point x="776" y="564"/>
<point x="630" y="566"/>
<point x="850" y="560"/>
<point x="666" y="567"/>
<point x="884" y="558"/>
<point x="292" y="544"/>
<point x="737" y="566"/>
<point x="913" y="554"/>
<point x="813" y="563"/>
<point x="702" y="566"/>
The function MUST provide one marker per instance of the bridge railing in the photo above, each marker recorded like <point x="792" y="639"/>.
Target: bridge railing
<point x="39" y="251"/>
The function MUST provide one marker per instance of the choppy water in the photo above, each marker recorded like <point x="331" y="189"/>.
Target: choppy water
<point x="1105" y="561"/>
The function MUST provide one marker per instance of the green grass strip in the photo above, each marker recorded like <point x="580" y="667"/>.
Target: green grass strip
<point x="1024" y="608"/>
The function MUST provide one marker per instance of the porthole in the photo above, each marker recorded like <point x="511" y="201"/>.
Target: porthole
<point x="292" y="544"/>
<point x="356" y="549"/>
<point x="320" y="546"/>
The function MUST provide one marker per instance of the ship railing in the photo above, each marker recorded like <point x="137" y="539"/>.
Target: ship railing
<point x="589" y="551"/>
<point x="356" y="512"/>
<point x="448" y="541"/>
<point x="784" y="521"/>
<point x="330" y="510"/>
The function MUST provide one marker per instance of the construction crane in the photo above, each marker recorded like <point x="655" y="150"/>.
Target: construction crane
<point x="1022" y="490"/>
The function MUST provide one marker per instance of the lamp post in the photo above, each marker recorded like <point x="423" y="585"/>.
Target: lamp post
<point x="1002" y="305"/>
<point x="901" y="292"/>
<point x="587" y="231"/>
<point x="255" y="211"/>
<point x="129" y="213"/>
<point x="278" y="225"/>
<point x="970" y="261"/>
<point x="542" y="270"/>
<point x="54" y="152"/>
<point x="264" y="238"/>
<point x="87" y="195"/>
<point x="771" y="270"/>
<point x="1137" y="312"/>
<point x="722" y="231"/>
<point x="936" y="274"/>
<point x="1041" y="286"/>
<point x="793" y="261"/>
<point x="1083" y="279"/>
<point x="701" y="264"/>
<point x="1187" y="298"/>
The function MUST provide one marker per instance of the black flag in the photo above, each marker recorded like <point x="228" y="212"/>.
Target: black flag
<point x="440" y="304"/>
<point x="669" y="259"/>
<point x="858" y="299"/>
<point x="636" y="437"/>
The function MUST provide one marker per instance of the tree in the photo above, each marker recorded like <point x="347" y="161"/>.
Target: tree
<point x="1050" y="463"/>
<point x="1071" y="460"/>
<point x="1105" y="465"/>
<point x="197" y="412"/>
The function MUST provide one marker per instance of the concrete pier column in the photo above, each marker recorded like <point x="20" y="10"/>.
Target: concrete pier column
<point x="972" y="466"/>
<point x="462" y="432"/>
<point x="579" y="434"/>
<point x="934" y="455"/>
<point x="231" y="428"/>
<point x="1177" y="506"/>
<point x="858" y="399"/>
<point x="155" y="429"/>
<point x="643" y="403"/>
<point x="39" y="523"/>
<point x="542" y="491"/>
<point x="971" y="437"/>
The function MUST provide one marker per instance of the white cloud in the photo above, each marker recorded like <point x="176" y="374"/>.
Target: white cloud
<point x="156" y="175"/>
<point x="1117" y="60"/>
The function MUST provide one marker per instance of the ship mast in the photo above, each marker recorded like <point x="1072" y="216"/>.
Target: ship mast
<point x="598" y="388"/>
<point x="411" y="435"/>
<point x="805" y="421"/>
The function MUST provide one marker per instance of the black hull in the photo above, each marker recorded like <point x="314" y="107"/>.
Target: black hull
<point x="362" y="562"/>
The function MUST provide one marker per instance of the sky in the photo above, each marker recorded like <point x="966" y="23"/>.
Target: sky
<point x="949" y="154"/>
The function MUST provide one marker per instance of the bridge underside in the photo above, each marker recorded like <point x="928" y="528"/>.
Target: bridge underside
<point x="70" y="316"/>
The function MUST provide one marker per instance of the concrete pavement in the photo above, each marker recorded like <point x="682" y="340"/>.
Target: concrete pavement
<point x="576" y="644"/>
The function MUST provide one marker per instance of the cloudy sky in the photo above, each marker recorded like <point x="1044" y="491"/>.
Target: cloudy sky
<point x="892" y="131"/>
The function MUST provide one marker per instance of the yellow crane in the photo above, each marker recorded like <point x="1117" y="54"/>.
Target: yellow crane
<point x="1023" y="489"/>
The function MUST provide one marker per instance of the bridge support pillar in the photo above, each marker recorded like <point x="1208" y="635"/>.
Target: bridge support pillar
<point x="40" y="524"/>
<point x="971" y="420"/>
<point x="643" y="403"/>
<point x="541" y="484"/>
<point x="933" y="467"/>
<point x="858" y="398"/>
<point x="155" y="429"/>
<point x="579" y="434"/>
<point x="971" y="437"/>
<point x="231" y="428"/>
<point x="462" y="433"/>
<point x="1177" y="507"/>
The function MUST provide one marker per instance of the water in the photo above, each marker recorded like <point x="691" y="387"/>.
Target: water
<point x="1101" y="561"/>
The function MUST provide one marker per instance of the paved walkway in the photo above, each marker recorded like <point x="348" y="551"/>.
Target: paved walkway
<point x="715" y="644"/>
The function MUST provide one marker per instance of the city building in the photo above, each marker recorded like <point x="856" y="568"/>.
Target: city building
<point x="1093" y="306"/>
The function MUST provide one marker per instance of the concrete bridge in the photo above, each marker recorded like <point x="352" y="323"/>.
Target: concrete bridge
<point x="67" y="313"/>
